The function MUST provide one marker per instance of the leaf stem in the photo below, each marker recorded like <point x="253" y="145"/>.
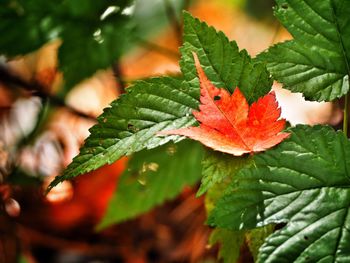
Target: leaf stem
<point x="346" y="111"/>
<point x="346" y="116"/>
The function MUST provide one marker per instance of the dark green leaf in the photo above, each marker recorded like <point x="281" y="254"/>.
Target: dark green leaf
<point x="305" y="183"/>
<point x="92" y="38"/>
<point x="316" y="62"/>
<point x="217" y="166"/>
<point x="86" y="49"/>
<point x="154" y="176"/>
<point x="132" y="121"/>
<point x="221" y="60"/>
<point x="26" y="25"/>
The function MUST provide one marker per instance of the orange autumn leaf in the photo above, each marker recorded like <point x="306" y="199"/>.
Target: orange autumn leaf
<point x="228" y="124"/>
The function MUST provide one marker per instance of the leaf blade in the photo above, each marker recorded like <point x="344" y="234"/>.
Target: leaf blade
<point x="130" y="124"/>
<point x="292" y="184"/>
<point x="217" y="166"/>
<point x="316" y="62"/>
<point x="223" y="63"/>
<point x="229" y="125"/>
<point x="154" y="176"/>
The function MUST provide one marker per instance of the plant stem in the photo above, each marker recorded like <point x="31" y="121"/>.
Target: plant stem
<point x="119" y="76"/>
<point x="8" y="78"/>
<point x="171" y="14"/>
<point x="346" y="116"/>
<point x="346" y="111"/>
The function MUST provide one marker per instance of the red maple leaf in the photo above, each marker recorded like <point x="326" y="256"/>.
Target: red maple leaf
<point x="229" y="125"/>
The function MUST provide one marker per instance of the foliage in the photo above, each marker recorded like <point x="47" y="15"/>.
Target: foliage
<point x="152" y="177"/>
<point x="152" y="105"/>
<point x="228" y="124"/>
<point x="230" y="242"/>
<point x="316" y="62"/>
<point x="302" y="184"/>
<point x="87" y="31"/>
<point x="131" y="122"/>
<point x="216" y="167"/>
<point x="223" y="63"/>
<point x="93" y="34"/>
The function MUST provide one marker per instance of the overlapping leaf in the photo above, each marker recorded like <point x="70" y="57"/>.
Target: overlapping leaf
<point x="317" y="61"/>
<point x="223" y="63"/>
<point x="305" y="183"/>
<point x="154" y="176"/>
<point x="153" y="105"/>
<point x="130" y="124"/>
<point x="228" y="124"/>
<point x="217" y="166"/>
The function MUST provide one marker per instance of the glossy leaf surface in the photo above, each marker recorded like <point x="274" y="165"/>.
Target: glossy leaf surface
<point x="317" y="61"/>
<point x="149" y="106"/>
<point x="228" y="124"/>
<point x="223" y="63"/>
<point x="130" y="124"/>
<point x="304" y="182"/>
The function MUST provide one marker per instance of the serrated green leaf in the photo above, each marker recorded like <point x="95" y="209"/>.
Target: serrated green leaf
<point x="316" y="62"/>
<point x="303" y="182"/>
<point x="154" y="176"/>
<point x="221" y="60"/>
<point x="230" y="243"/>
<point x="132" y="121"/>
<point x="217" y="166"/>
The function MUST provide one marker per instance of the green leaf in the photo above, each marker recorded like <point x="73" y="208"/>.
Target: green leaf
<point x="217" y="166"/>
<point x="26" y="25"/>
<point x="132" y="121"/>
<point x="91" y="39"/>
<point x="221" y="60"/>
<point x="150" y="106"/>
<point x="230" y="243"/>
<point x="86" y="49"/>
<point x="303" y="182"/>
<point x="316" y="62"/>
<point x="154" y="176"/>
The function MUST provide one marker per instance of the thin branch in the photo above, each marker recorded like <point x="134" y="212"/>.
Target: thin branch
<point x="162" y="50"/>
<point x="171" y="14"/>
<point x="346" y="113"/>
<point x="278" y="27"/>
<point x="37" y="90"/>
<point x="119" y="76"/>
<point x="186" y="4"/>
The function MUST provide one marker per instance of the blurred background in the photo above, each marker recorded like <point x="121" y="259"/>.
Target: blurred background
<point x="61" y="63"/>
